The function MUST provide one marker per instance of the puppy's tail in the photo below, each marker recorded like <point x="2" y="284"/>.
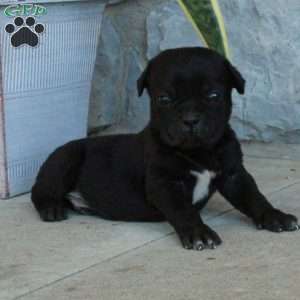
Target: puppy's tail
<point x="56" y="178"/>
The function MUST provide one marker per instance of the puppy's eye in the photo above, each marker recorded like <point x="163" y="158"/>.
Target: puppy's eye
<point x="213" y="95"/>
<point x="164" y="99"/>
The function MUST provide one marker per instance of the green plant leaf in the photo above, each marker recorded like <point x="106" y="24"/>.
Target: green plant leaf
<point x="202" y="14"/>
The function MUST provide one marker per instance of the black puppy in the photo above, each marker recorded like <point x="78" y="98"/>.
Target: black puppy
<point x="169" y="170"/>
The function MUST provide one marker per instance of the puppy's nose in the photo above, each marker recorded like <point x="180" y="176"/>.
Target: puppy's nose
<point x="191" y="121"/>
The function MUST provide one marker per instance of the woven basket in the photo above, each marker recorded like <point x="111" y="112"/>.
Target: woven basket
<point x="44" y="88"/>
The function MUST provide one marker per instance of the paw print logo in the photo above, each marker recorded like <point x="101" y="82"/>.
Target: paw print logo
<point x="24" y="32"/>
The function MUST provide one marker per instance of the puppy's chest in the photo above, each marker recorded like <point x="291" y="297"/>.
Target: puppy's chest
<point x="202" y="184"/>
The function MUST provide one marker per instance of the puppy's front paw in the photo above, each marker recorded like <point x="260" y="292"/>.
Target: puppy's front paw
<point x="277" y="221"/>
<point x="53" y="214"/>
<point x="199" y="238"/>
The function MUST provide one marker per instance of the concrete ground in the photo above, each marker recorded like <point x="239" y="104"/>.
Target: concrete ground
<point x="89" y="258"/>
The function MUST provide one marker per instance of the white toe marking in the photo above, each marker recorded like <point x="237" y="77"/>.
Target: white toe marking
<point x="201" y="187"/>
<point x="77" y="200"/>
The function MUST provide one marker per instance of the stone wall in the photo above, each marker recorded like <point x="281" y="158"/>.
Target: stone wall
<point x="264" y="40"/>
<point x="132" y="32"/>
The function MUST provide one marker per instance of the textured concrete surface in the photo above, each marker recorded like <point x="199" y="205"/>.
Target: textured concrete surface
<point x="86" y="257"/>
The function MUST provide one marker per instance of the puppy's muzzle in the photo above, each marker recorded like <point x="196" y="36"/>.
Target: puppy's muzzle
<point x="192" y="123"/>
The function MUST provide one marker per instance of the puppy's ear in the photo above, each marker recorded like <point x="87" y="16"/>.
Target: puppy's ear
<point x="142" y="82"/>
<point x="238" y="82"/>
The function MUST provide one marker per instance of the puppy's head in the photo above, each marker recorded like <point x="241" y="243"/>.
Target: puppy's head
<point x="190" y="91"/>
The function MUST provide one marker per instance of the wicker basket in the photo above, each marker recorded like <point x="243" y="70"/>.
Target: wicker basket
<point x="46" y="71"/>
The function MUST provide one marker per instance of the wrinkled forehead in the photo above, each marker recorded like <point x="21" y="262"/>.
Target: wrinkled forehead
<point x="191" y="74"/>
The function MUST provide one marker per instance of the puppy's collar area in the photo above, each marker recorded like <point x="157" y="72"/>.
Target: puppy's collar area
<point x="194" y="163"/>
<point x="188" y="159"/>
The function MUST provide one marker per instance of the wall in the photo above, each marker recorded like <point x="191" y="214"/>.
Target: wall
<point x="132" y="33"/>
<point x="264" y="42"/>
<point x="264" y="38"/>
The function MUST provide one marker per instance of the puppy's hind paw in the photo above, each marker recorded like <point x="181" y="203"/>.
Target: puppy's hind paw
<point x="53" y="214"/>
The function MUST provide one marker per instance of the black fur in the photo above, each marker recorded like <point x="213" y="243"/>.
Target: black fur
<point x="146" y="176"/>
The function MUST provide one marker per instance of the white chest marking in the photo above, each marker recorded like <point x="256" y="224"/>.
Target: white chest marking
<point x="201" y="187"/>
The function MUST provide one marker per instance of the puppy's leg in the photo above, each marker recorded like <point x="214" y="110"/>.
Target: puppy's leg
<point x="242" y="192"/>
<point x="169" y="197"/>
<point x="57" y="176"/>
